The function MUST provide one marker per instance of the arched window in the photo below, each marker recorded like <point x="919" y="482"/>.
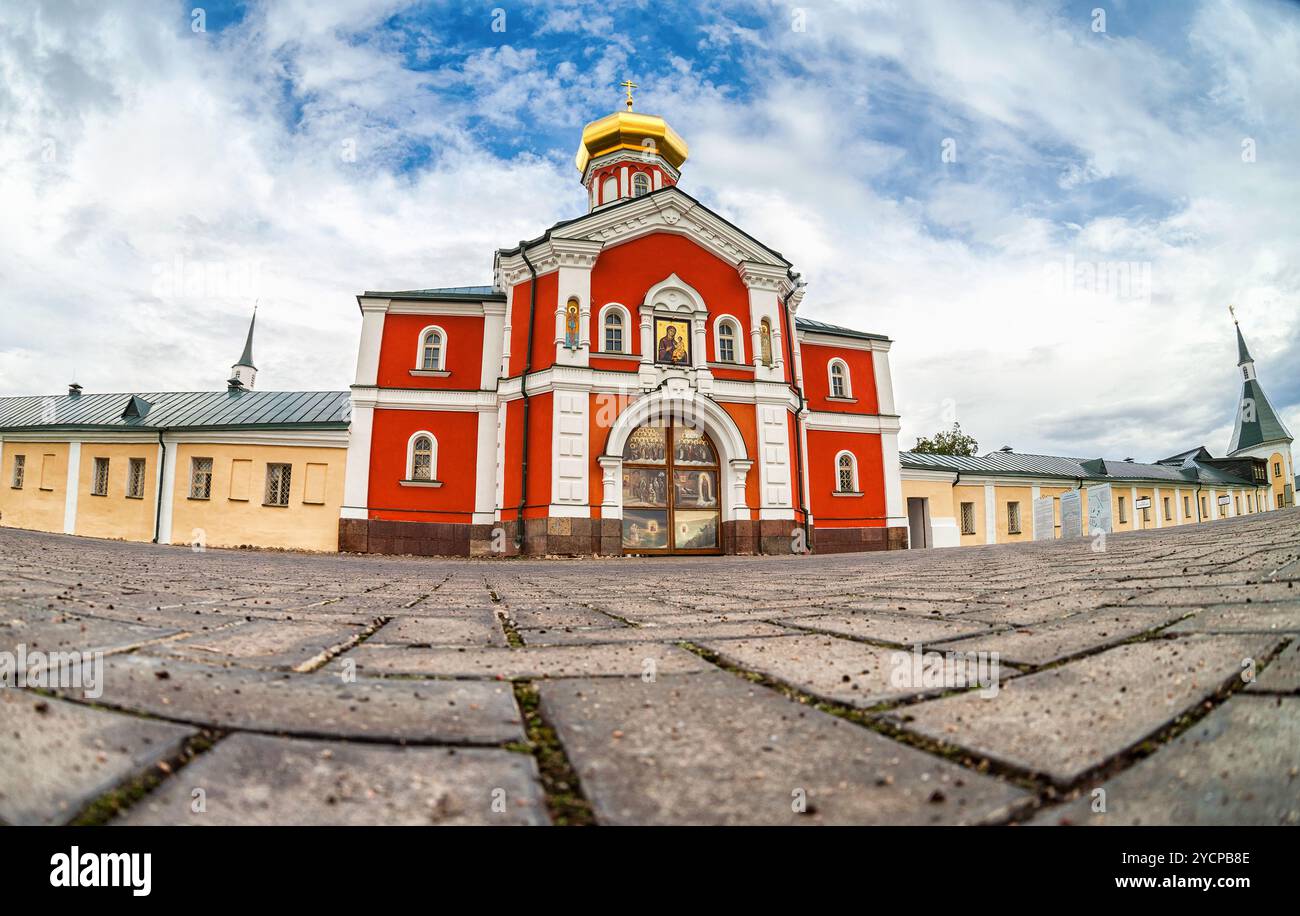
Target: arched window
<point x="839" y="376"/>
<point x="640" y="184"/>
<point x="422" y="458"/>
<point x="433" y="350"/>
<point x="846" y="473"/>
<point x="614" y="330"/>
<point x="726" y="343"/>
<point x="609" y="190"/>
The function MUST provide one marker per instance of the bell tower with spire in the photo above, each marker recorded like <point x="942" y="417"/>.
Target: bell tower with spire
<point x="1258" y="431"/>
<point x="243" y="373"/>
<point x="628" y="154"/>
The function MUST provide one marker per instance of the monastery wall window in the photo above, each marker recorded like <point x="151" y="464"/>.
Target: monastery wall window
<point x="839" y="379"/>
<point x="99" y="484"/>
<point x="422" y="457"/>
<point x="614" y="321"/>
<point x="967" y="518"/>
<point x="20" y="468"/>
<point x="727" y="344"/>
<point x="846" y="473"/>
<point x="433" y="350"/>
<point x="278" y="479"/>
<point x="1013" y="518"/>
<point x="200" y="478"/>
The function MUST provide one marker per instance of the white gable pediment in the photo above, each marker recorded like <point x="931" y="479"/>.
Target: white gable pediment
<point x="671" y="210"/>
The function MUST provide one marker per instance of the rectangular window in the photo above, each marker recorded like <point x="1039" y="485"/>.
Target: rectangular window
<point x="277" y="484"/>
<point x="726" y="349"/>
<point x="1146" y="515"/>
<point x="1168" y="510"/>
<point x="200" y="478"/>
<point x="1187" y="507"/>
<point x="241" y="472"/>
<point x="20" y="468"/>
<point x="135" y="479"/>
<point x="313" y="490"/>
<point x="1013" y="518"/>
<point x="967" y="518"/>
<point x="1277" y="469"/>
<point x="1205" y="507"/>
<point x="1279" y="500"/>
<point x="99" y="486"/>
<point x="614" y="338"/>
<point x="1123" y="512"/>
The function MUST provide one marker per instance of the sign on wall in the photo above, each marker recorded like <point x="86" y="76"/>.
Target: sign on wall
<point x="1044" y="518"/>
<point x="1142" y="502"/>
<point x="1071" y="514"/>
<point x="1099" y="517"/>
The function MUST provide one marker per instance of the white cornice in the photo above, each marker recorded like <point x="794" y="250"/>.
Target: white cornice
<point x="846" y="343"/>
<point x="852" y="422"/>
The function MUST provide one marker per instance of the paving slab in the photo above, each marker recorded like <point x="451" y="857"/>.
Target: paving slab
<point x="899" y="629"/>
<point x="479" y="628"/>
<point x="1282" y="674"/>
<point x="649" y="632"/>
<point x="274" y="644"/>
<point x="559" y="616"/>
<point x="1237" y="766"/>
<point x="42" y="630"/>
<point x="1069" y="719"/>
<point x="840" y="670"/>
<point x="714" y="749"/>
<point x="609" y="660"/>
<point x="1058" y="639"/>
<point x="263" y="780"/>
<point x="321" y="704"/>
<point x="57" y="757"/>
<point x="1255" y="617"/>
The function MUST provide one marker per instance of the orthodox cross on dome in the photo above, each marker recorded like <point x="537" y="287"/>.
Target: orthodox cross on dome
<point x="629" y="86"/>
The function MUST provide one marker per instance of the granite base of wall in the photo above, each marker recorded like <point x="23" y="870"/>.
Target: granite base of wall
<point x="584" y="537"/>
<point x="858" y="540"/>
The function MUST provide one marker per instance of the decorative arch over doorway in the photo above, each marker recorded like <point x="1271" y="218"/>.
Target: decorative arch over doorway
<point x="694" y="480"/>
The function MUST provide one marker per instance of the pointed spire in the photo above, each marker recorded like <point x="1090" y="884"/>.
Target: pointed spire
<point x="1243" y="355"/>
<point x="246" y="359"/>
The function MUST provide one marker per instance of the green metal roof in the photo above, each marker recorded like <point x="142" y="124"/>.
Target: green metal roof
<point x="1263" y="425"/>
<point x="1191" y="470"/>
<point x="442" y="292"/>
<point x="240" y="409"/>
<point x="246" y="358"/>
<point x="820" y="327"/>
<point x="1243" y="355"/>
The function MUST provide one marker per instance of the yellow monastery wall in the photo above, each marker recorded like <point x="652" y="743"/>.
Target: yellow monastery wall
<point x="1003" y="497"/>
<point x="116" y="515"/>
<point x="1277" y="485"/>
<point x="39" y="504"/>
<point x="235" y="516"/>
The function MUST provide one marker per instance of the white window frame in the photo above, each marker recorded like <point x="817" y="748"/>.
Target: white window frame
<point x="638" y="177"/>
<point x="738" y="335"/>
<point x="608" y="193"/>
<point x="626" y="315"/>
<point x="433" y="457"/>
<point x="442" y="350"/>
<point x="853" y="466"/>
<point x="830" y="379"/>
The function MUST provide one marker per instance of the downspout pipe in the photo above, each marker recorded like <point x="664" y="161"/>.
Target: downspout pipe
<point x="523" y="387"/>
<point x="157" y="519"/>
<point x="798" y="416"/>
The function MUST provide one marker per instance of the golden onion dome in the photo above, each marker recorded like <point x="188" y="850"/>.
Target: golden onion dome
<point x="632" y="131"/>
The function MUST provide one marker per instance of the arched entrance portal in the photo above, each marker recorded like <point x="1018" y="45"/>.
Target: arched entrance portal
<point x="671" y="490"/>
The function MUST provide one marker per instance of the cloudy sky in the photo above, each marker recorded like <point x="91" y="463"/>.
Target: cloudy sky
<point x="1049" y="212"/>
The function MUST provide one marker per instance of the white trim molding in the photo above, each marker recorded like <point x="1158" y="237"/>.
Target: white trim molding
<point x="410" y="457"/>
<point x="627" y="329"/>
<point x="738" y="338"/>
<point x="830" y="378"/>
<point x="442" y="350"/>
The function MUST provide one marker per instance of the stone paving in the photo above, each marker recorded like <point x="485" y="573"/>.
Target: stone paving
<point x="1155" y="681"/>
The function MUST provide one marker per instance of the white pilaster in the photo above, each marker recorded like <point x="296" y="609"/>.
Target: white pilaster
<point x="70" y="497"/>
<point x="569" y="444"/>
<point x="990" y="514"/>
<point x="356" y="476"/>
<point x="1158" y="508"/>
<point x="168" y="490"/>
<point x="611" y="503"/>
<point x="485" y="466"/>
<point x="774" y="461"/>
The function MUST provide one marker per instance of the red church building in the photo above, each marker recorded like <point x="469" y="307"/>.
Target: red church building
<point x="635" y="380"/>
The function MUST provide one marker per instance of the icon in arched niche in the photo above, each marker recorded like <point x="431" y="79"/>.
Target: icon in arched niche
<point x="673" y="341"/>
<point x="765" y="341"/>
<point x="571" y="324"/>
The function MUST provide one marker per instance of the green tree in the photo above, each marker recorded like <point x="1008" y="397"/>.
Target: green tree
<point x="948" y="442"/>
